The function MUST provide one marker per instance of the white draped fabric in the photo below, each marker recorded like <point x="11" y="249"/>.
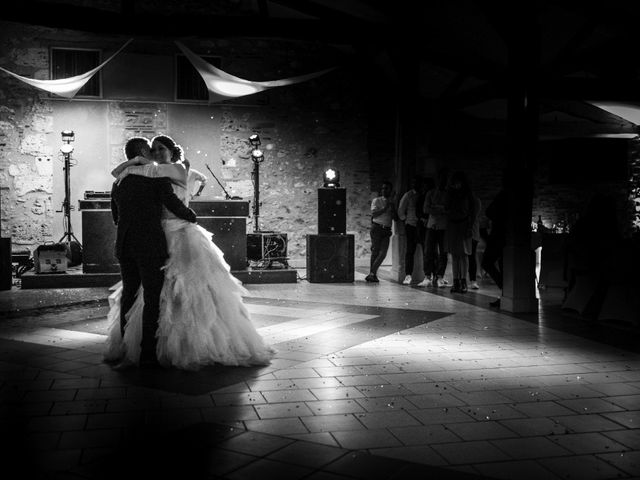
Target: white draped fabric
<point x="222" y="85"/>
<point x="65" y="87"/>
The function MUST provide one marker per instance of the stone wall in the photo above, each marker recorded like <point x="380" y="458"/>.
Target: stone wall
<point x="305" y="129"/>
<point x="299" y="143"/>
<point x="26" y="161"/>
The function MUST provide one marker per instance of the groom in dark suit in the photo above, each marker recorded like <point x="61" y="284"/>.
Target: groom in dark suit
<point x="141" y="247"/>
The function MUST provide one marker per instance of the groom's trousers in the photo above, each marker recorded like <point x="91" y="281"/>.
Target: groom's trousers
<point x="148" y="273"/>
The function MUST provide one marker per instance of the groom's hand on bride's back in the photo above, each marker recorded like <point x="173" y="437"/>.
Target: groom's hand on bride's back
<point x="192" y="216"/>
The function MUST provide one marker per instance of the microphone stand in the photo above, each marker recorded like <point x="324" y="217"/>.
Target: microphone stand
<point x="226" y="194"/>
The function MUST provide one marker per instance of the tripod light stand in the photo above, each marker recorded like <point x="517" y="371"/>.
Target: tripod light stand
<point x="68" y="237"/>
<point x="257" y="157"/>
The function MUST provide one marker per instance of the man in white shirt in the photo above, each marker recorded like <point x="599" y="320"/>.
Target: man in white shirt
<point x="383" y="212"/>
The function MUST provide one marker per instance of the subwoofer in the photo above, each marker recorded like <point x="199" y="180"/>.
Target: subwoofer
<point x="330" y="258"/>
<point x="332" y="210"/>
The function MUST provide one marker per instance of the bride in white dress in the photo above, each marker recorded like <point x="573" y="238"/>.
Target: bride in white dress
<point x="203" y="320"/>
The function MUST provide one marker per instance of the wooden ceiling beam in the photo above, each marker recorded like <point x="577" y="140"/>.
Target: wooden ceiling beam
<point x="180" y="25"/>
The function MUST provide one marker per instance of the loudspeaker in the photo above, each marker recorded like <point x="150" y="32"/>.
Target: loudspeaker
<point x="229" y="235"/>
<point x="330" y="258"/>
<point x="5" y="263"/>
<point x="99" y="239"/>
<point x="332" y="210"/>
<point x="266" y="245"/>
<point x="220" y="208"/>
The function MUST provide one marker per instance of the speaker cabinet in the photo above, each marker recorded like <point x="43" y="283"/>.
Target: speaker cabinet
<point x="330" y="258"/>
<point x="229" y="234"/>
<point x="220" y="208"/>
<point x="5" y="263"/>
<point x="98" y="238"/>
<point x="266" y="245"/>
<point x="332" y="211"/>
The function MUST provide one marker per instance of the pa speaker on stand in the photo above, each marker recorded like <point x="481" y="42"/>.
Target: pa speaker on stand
<point x="332" y="210"/>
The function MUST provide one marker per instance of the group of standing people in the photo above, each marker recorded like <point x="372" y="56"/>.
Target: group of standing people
<point x="443" y="217"/>
<point x="451" y="214"/>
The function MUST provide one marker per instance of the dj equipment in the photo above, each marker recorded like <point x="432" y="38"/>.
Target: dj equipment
<point x="332" y="210"/>
<point x="227" y="221"/>
<point x="95" y="201"/>
<point x="330" y="258"/>
<point x="89" y="194"/>
<point x="266" y="246"/>
<point x="51" y="258"/>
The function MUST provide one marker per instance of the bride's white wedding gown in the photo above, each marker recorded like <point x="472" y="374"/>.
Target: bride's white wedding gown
<point x="203" y="319"/>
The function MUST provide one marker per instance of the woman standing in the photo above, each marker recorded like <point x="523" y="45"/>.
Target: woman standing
<point x="460" y="211"/>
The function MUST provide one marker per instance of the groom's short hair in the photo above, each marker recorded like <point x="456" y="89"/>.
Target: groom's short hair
<point x="134" y="146"/>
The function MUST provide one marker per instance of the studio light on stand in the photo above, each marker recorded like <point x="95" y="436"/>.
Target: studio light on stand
<point x="257" y="157"/>
<point x="263" y="247"/>
<point x="74" y="247"/>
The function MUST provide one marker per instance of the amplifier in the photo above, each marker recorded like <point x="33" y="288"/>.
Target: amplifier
<point x="51" y="258"/>
<point x="95" y="204"/>
<point x="266" y="245"/>
<point x="90" y="194"/>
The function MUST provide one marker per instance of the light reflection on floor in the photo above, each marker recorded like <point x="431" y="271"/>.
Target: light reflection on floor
<point x="399" y="372"/>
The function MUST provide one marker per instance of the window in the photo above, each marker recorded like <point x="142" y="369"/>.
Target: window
<point x="67" y="62"/>
<point x="189" y="83"/>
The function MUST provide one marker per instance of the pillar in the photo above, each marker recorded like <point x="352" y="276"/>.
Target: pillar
<point x="519" y="289"/>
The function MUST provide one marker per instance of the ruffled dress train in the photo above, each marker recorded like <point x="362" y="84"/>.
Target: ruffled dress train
<point x="203" y="320"/>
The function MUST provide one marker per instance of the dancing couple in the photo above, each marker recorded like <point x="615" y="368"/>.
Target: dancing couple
<point x="177" y="304"/>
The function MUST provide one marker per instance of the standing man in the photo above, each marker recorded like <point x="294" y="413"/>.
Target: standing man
<point x="409" y="212"/>
<point x="383" y="212"/>
<point x="141" y="247"/>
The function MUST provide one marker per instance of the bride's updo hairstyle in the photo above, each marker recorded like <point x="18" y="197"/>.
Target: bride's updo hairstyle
<point x="177" y="153"/>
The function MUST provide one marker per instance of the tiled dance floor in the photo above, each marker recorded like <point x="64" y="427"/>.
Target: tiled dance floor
<point x="370" y="381"/>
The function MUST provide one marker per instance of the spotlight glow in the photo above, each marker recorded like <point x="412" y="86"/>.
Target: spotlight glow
<point x="331" y="178"/>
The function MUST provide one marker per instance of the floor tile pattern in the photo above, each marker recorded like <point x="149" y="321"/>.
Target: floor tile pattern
<point x="370" y="381"/>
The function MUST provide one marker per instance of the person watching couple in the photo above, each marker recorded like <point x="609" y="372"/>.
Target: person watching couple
<point x="178" y="304"/>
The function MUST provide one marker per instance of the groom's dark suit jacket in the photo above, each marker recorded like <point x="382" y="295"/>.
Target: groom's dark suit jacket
<point x="136" y="206"/>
